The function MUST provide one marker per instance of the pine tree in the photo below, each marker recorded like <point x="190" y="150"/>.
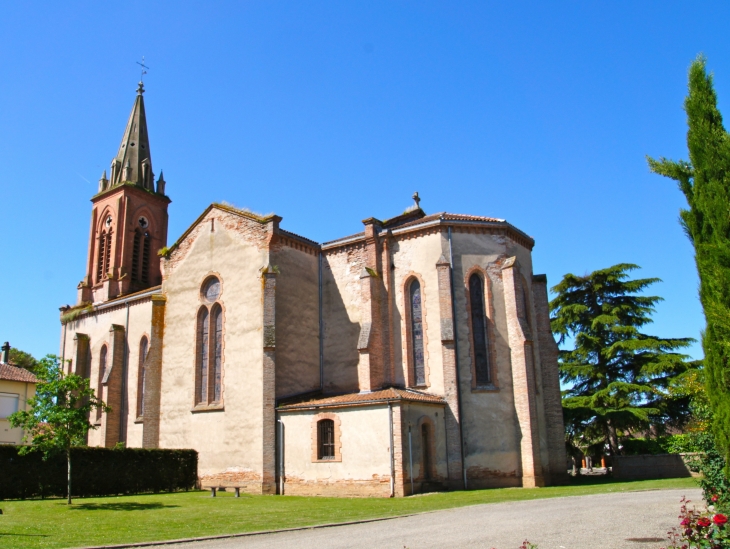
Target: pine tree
<point x="617" y="377"/>
<point x="705" y="182"/>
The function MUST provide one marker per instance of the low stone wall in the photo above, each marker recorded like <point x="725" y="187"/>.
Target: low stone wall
<point x="649" y="467"/>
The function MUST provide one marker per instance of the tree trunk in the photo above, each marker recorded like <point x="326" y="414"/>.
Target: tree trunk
<point x="68" y="479"/>
<point x="612" y="438"/>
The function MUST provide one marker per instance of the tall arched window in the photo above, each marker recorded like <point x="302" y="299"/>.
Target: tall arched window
<point x="143" y="346"/>
<point x="326" y="439"/>
<point x="217" y="344"/>
<point x="209" y="361"/>
<point x="479" y="329"/>
<point x="203" y="346"/>
<point x="417" y="350"/>
<point x="102" y="373"/>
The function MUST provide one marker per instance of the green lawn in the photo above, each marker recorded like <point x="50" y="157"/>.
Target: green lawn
<point x="103" y="521"/>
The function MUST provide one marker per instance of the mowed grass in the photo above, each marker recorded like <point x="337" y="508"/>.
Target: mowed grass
<point x="49" y="524"/>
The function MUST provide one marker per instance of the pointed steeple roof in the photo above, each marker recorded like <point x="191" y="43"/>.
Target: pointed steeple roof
<point x="133" y="162"/>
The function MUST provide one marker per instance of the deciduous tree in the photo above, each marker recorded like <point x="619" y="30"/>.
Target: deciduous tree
<point x="59" y="413"/>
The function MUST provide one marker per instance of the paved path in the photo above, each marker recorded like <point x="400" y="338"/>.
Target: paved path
<point x="632" y="520"/>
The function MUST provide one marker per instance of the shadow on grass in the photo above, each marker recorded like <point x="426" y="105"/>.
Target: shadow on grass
<point x="120" y="506"/>
<point x="592" y="480"/>
<point x="24" y="535"/>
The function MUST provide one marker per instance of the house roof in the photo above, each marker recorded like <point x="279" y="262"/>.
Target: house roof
<point x="391" y="394"/>
<point x="8" y="372"/>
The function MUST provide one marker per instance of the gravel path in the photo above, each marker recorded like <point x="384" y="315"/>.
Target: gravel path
<point x="633" y="520"/>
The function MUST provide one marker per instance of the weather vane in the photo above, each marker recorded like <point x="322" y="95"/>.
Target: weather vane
<point x="145" y="68"/>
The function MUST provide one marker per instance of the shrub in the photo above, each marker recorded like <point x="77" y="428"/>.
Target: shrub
<point x="97" y="472"/>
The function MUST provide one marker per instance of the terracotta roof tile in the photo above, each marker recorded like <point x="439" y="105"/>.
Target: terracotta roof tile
<point x="384" y="395"/>
<point x="451" y="217"/>
<point x="8" y="372"/>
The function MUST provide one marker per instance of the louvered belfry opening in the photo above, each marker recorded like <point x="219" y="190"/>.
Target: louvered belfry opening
<point x="146" y="259"/>
<point x="100" y="258"/>
<point x="326" y="439"/>
<point x="135" y="255"/>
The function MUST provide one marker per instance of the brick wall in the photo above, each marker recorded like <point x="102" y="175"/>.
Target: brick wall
<point x="153" y="375"/>
<point x="523" y="376"/>
<point x="550" y="384"/>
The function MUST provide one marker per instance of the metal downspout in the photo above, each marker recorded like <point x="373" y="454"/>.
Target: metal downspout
<point x="456" y="359"/>
<point x="281" y="456"/>
<point x="321" y="328"/>
<point x="392" y="451"/>
<point x="410" y="456"/>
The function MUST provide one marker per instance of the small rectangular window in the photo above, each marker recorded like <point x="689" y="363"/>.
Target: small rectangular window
<point x="326" y="439"/>
<point x="8" y="404"/>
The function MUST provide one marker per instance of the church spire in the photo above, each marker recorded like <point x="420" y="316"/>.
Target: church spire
<point x="133" y="162"/>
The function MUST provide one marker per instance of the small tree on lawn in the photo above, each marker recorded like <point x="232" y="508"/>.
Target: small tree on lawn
<point x="59" y="413"/>
<point x="617" y="377"/>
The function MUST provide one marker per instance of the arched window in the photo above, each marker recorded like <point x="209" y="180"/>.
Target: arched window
<point x="417" y="351"/>
<point x="426" y="451"/>
<point x="326" y="439"/>
<point x="102" y="373"/>
<point x="217" y="343"/>
<point x="209" y="361"/>
<point x="479" y="329"/>
<point x="143" y="345"/>
<point x="203" y="346"/>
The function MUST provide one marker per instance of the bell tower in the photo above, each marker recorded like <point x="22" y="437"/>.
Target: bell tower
<point x="128" y="219"/>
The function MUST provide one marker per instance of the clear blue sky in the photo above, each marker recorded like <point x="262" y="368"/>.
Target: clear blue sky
<point x="331" y="112"/>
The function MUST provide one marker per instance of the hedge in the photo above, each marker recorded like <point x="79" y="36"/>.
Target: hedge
<point x="96" y="472"/>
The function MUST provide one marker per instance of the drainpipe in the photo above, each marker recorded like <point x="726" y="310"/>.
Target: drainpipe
<point x="456" y="359"/>
<point x="321" y="328"/>
<point x="281" y="456"/>
<point x="392" y="451"/>
<point x="123" y="404"/>
<point x="63" y="350"/>
<point x="410" y="455"/>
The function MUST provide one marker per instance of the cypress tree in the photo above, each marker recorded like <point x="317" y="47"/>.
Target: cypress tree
<point x="705" y="182"/>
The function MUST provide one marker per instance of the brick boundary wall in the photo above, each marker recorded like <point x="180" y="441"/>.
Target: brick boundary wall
<point x="649" y="467"/>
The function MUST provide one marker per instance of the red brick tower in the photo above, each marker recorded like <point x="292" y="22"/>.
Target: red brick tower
<point x="128" y="219"/>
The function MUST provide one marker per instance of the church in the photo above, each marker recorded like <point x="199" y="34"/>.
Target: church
<point x="414" y="356"/>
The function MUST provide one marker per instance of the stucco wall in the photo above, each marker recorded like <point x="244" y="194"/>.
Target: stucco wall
<point x="229" y="440"/>
<point x="416" y="257"/>
<point x="413" y="416"/>
<point x="490" y="426"/>
<point x="8" y="434"/>
<point x="365" y="450"/>
<point x="297" y="321"/>
<point x="96" y="326"/>
<point x="342" y="300"/>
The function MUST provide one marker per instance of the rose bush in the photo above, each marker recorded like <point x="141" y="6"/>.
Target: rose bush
<point x="699" y="529"/>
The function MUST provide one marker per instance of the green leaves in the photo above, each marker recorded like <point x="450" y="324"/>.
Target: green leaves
<point x="60" y="410"/>
<point x="617" y="377"/>
<point x="705" y="182"/>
